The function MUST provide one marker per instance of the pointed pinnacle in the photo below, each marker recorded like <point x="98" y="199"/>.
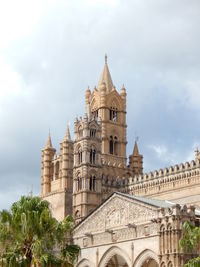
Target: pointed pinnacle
<point x="67" y="135"/>
<point x="135" y="149"/>
<point x="49" y="143"/>
<point x="106" y="77"/>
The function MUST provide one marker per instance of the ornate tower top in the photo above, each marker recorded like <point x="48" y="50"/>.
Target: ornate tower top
<point x="106" y="77"/>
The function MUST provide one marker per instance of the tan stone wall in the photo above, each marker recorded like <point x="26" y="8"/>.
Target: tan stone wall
<point x="57" y="202"/>
<point x="180" y="184"/>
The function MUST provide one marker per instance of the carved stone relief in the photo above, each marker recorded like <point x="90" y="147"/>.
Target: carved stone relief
<point x="117" y="213"/>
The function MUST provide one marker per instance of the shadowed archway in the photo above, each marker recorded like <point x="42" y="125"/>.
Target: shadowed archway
<point x="117" y="261"/>
<point x="147" y="259"/>
<point x="115" y="257"/>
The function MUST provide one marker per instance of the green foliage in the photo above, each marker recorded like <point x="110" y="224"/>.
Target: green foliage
<point x="190" y="242"/>
<point x="193" y="263"/>
<point x="30" y="236"/>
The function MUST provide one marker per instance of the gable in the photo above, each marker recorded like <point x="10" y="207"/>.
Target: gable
<point x="117" y="212"/>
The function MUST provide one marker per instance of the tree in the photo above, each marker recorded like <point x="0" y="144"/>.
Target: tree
<point x="190" y="242"/>
<point x="30" y="236"/>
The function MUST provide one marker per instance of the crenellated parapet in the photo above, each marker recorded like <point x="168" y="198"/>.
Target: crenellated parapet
<point x="162" y="183"/>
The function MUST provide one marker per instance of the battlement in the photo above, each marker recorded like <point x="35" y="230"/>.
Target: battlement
<point x="171" y="171"/>
<point x="155" y="182"/>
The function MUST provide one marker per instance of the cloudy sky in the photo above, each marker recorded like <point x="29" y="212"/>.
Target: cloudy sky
<point x="50" y="51"/>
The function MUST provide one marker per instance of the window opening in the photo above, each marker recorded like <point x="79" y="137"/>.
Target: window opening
<point x="92" y="183"/>
<point x="80" y="156"/>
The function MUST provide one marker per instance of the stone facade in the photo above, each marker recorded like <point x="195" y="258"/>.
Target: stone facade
<point x="93" y="166"/>
<point x="132" y="230"/>
<point x="124" y="228"/>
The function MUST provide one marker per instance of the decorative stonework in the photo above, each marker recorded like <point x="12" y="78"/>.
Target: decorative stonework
<point x="145" y="255"/>
<point x="112" y="252"/>
<point x="117" y="212"/>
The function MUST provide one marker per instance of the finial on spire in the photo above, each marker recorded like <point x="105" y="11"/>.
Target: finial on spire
<point x="106" y="57"/>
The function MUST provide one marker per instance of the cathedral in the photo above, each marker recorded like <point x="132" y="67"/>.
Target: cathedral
<point x="123" y="217"/>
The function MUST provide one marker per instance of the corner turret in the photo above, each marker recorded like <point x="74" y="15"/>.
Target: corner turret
<point x="136" y="161"/>
<point x="47" y="169"/>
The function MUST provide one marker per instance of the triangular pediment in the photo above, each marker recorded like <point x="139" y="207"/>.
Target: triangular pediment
<point x="116" y="212"/>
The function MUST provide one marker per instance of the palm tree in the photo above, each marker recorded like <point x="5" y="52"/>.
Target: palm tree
<point x="30" y="236"/>
<point x="190" y="242"/>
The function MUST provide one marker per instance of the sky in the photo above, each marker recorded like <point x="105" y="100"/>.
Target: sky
<point x="51" y="51"/>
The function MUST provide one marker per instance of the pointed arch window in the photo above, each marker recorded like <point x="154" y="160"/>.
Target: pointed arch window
<point x="92" y="155"/>
<point x="92" y="183"/>
<point x="92" y="132"/>
<point x="57" y="170"/>
<point x="113" y="144"/>
<point x="79" y="183"/>
<point x="113" y="114"/>
<point x="80" y="156"/>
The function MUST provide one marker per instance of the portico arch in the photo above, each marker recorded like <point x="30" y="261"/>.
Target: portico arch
<point x="147" y="258"/>
<point x="85" y="263"/>
<point x="112" y="254"/>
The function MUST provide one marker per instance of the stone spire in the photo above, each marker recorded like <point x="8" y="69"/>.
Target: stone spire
<point x="67" y="134"/>
<point x="135" y="149"/>
<point x="106" y="77"/>
<point x="49" y="143"/>
<point x="136" y="161"/>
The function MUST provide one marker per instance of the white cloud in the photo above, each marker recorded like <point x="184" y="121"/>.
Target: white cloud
<point x="163" y="154"/>
<point x="193" y="94"/>
<point x="10" y="81"/>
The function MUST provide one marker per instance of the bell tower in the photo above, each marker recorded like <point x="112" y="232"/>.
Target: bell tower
<point x="87" y="166"/>
<point x="109" y="105"/>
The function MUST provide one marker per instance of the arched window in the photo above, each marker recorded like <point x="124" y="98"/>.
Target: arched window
<point x="92" y="132"/>
<point x="113" y="114"/>
<point x="111" y="145"/>
<point x="79" y="183"/>
<point x="92" y="155"/>
<point x="80" y="156"/>
<point x="163" y="244"/>
<point x="92" y="183"/>
<point x="57" y="170"/>
<point x="169" y="228"/>
<point x="115" y="145"/>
